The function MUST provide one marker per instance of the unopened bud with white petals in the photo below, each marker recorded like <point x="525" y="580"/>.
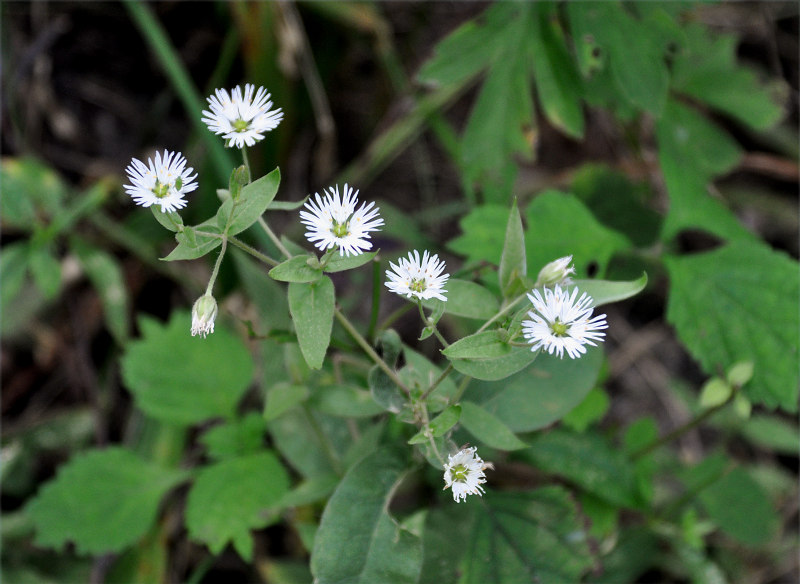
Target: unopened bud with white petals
<point x="556" y="272"/>
<point x="204" y="313"/>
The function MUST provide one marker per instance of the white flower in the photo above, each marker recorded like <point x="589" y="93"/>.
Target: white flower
<point x="423" y="279"/>
<point x="164" y="181"/>
<point x="562" y="323"/>
<point x="463" y="473"/>
<point x="204" y="313"/>
<point x="241" y="119"/>
<point x="332" y="221"/>
<point x="556" y="272"/>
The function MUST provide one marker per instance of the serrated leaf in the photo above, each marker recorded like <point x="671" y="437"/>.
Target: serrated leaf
<point x="230" y="498"/>
<point x="340" y="263"/>
<point x="103" y="501"/>
<point x="107" y="278"/>
<point x="253" y="201"/>
<point x="739" y="303"/>
<point x="181" y="379"/>
<point x="589" y="462"/>
<point x="296" y="269"/>
<point x="235" y="438"/>
<point x="358" y="541"/>
<point x="512" y="261"/>
<point x="482" y="234"/>
<point x="558" y="84"/>
<point x="311" y="306"/>
<point x="541" y="394"/>
<point x="488" y="428"/>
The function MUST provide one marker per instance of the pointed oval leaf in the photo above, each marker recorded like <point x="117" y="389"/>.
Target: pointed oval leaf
<point x="295" y="269"/>
<point x="311" y="306"/>
<point x="253" y="201"/>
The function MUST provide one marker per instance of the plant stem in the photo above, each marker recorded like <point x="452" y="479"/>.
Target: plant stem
<point x="218" y="263"/>
<point x="365" y="346"/>
<point x="681" y="430"/>
<point x="502" y="312"/>
<point x="427" y="322"/>
<point x="274" y="238"/>
<point x="436" y="383"/>
<point x="253" y="252"/>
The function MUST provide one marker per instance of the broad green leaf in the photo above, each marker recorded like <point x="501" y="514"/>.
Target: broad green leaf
<point x="229" y="498"/>
<point x="28" y="185"/>
<point x="235" y="438"/>
<point x="268" y="296"/>
<point x="541" y="394"/>
<point x="561" y="225"/>
<point x="340" y="263"/>
<point x="533" y="536"/>
<point x="345" y="401"/>
<point x="439" y="425"/>
<point x="739" y="303"/>
<point x="467" y="299"/>
<point x="488" y="428"/>
<point x="741" y="508"/>
<point x="46" y="270"/>
<point x="482" y="234"/>
<point x="253" y="201"/>
<point x="496" y="368"/>
<point x="483" y="345"/>
<point x="468" y="50"/>
<point x="772" y="433"/>
<point x="310" y="491"/>
<point x="102" y="501"/>
<point x="592" y="409"/>
<point x="606" y="292"/>
<point x="180" y="379"/>
<point x="385" y="392"/>
<point x="193" y="245"/>
<point x="106" y="276"/>
<point x="311" y="306"/>
<point x="707" y="70"/>
<point x="296" y="269"/>
<point x="513" y="266"/>
<point x="358" y="541"/>
<point x="13" y="267"/>
<point x="494" y="134"/>
<point x="692" y="150"/>
<point x="587" y="461"/>
<point x="171" y="221"/>
<point x="296" y="439"/>
<point x="282" y="397"/>
<point x="558" y="83"/>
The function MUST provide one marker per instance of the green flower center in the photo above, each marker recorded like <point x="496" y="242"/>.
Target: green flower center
<point x="559" y="329"/>
<point x="459" y="473"/>
<point x="341" y="229"/>
<point x="160" y="190"/>
<point x="241" y="126"/>
<point x="418" y="285"/>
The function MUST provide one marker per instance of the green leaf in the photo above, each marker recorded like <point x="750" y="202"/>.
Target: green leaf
<point x="13" y="267"/>
<point x="296" y="439"/>
<point x="29" y="186"/>
<point x="229" y="498"/>
<point x="534" y="536"/>
<point x="741" y="508"/>
<point x="420" y="372"/>
<point x="253" y="201"/>
<point x="312" y="306"/>
<point x="180" y="379"/>
<point x="496" y="368"/>
<point x="46" y="270"/>
<point x="358" y="541"/>
<point x="512" y="261"/>
<point x="310" y="491"/>
<point x="482" y="234"/>
<point x="606" y="292"/>
<point x="103" y="501"/>
<point x="589" y="462"/>
<point x="739" y="303"/>
<point x="282" y="397"/>
<point x="772" y="433"/>
<point x="558" y="84"/>
<point x="542" y="394"/>
<point x="171" y="221"/>
<point x="235" y="438"/>
<point x="564" y="226"/>
<point x="384" y="391"/>
<point x="191" y="245"/>
<point x="109" y="281"/>
<point x="715" y="392"/>
<point x="340" y="263"/>
<point x="592" y="409"/>
<point x="296" y="269"/>
<point x="439" y="425"/>
<point x="466" y="299"/>
<point x="692" y="150"/>
<point x="345" y="401"/>
<point x="707" y="70"/>
<point x="488" y="428"/>
<point x="483" y="345"/>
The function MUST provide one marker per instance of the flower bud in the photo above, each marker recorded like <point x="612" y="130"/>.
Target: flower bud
<point x="556" y="272"/>
<point x="204" y="312"/>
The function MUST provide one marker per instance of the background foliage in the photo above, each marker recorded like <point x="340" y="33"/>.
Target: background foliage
<point x="645" y="137"/>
